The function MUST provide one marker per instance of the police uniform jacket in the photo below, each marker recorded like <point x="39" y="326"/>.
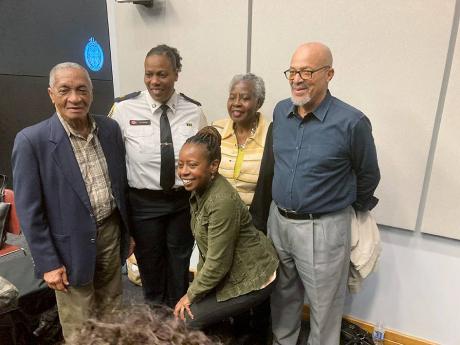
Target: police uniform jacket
<point x="138" y="115"/>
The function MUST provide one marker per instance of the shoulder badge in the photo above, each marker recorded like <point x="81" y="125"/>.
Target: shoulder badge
<point x="128" y="96"/>
<point x="190" y="100"/>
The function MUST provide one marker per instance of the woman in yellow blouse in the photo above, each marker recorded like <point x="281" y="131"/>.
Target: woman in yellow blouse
<point x="243" y="134"/>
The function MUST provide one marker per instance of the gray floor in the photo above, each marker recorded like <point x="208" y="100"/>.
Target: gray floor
<point x="132" y="294"/>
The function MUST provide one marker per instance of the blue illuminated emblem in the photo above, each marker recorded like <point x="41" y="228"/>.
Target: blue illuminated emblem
<point x="94" y="56"/>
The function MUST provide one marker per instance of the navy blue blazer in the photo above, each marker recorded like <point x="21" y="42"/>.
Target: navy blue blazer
<point x="51" y="200"/>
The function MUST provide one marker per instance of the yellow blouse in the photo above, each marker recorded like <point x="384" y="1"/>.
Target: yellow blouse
<point x="244" y="180"/>
<point x="238" y="162"/>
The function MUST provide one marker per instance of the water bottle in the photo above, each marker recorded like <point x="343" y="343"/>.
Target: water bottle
<point x="378" y="336"/>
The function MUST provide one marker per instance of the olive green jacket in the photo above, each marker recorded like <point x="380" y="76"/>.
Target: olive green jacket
<point x="235" y="257"/>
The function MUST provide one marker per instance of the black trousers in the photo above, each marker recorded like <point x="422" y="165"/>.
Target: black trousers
<point x="208" y="311"/>
<point x="164" y="243"/>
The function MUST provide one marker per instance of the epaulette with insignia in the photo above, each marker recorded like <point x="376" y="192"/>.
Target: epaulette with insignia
<point x="128" y="96"/>
<point x="191" y="99"/>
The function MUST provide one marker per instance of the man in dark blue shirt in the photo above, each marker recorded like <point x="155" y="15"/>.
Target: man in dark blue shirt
<point x="325" y="165"/>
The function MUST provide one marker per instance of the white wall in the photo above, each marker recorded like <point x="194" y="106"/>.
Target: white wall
<point x="415" y="290"/>
<point x="390" y="62"/>
<point x="210" y="39"/>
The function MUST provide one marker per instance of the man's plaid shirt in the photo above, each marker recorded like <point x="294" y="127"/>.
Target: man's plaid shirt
<point x="93" y="167"/>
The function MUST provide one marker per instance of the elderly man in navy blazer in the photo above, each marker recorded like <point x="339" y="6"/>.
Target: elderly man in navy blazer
<point x="70" y="187"/>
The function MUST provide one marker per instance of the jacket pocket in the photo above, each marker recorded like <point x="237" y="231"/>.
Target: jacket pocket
<point x="142" y="140"/>
<point x="203" y="223"/>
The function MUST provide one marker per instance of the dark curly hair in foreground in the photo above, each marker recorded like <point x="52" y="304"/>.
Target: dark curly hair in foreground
<point x="138" y="325"/>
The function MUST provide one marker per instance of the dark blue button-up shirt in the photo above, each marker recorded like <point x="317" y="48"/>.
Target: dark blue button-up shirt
<point x="325" y="161"/>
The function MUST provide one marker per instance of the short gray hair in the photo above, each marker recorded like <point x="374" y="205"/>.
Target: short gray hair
<point x="66" y="65"/>
<point x="257" y="83"/>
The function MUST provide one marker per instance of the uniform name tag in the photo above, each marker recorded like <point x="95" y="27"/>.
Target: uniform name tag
<point x="139" y="122"/>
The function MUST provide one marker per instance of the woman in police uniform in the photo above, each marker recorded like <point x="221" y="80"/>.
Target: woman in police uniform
<point x="155" y="124"/>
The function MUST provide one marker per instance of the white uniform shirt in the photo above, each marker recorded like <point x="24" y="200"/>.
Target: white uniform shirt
<point x="139" y="120"/>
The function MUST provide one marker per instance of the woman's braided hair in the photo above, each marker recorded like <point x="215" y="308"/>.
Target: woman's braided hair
<point x="210" y="138"/>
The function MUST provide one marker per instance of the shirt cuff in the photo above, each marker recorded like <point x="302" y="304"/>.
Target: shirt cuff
<point x="368" y="205"/>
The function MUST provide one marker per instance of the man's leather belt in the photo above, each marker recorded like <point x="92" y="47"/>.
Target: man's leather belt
<point x="295" y="215"/>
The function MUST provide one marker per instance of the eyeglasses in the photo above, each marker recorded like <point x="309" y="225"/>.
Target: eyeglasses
<point x="303" y="73"/>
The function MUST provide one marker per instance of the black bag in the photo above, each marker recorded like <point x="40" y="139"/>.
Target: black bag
<point x="4" y="211"/>
<point x="351" y="334"/>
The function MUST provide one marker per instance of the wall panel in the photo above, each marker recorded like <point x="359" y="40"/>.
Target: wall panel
<point x="443" y="200"/>
<point x="36" y="35"/>
<point x="210" y="38"/>
<point x="389" y="62"/>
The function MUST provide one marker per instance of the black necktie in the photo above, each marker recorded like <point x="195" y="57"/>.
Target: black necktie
<point x="168" y="164"/>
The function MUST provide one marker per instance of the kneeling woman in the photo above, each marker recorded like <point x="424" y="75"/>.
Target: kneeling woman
<point x="237" y="264"/>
